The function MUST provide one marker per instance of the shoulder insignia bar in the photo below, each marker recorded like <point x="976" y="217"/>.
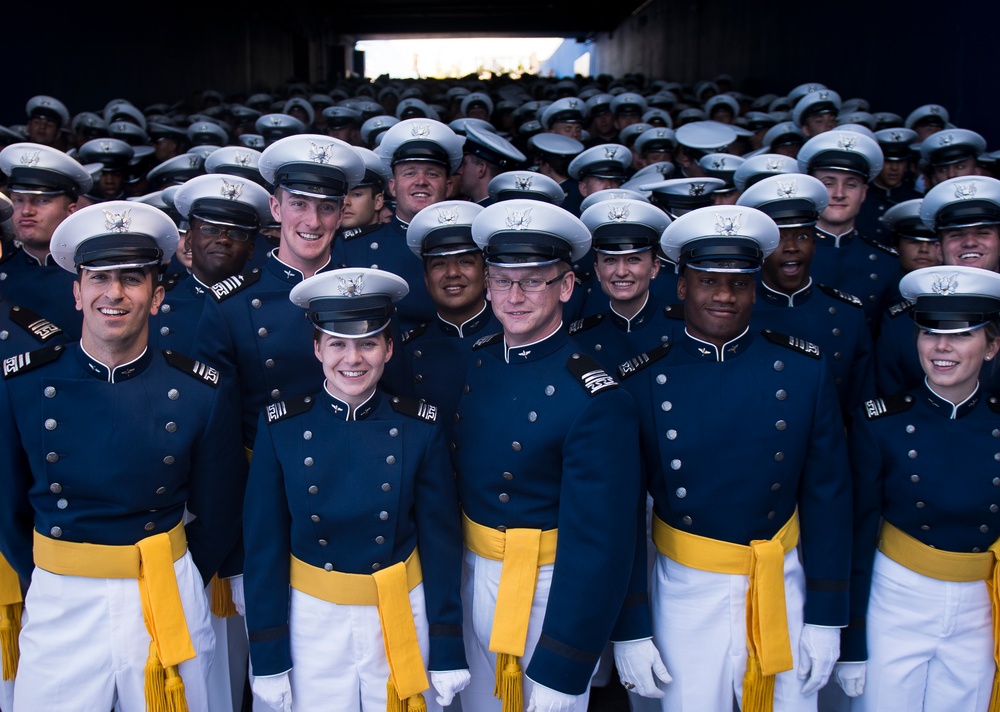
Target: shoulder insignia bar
<point x="237" y="283"/>
<point x="487" y="340"/>
<point x="35" y="324"/>
<point x="890" y="405"/>
<point x="674" y="311"/>
<point x="355" y="232"/>
<point x="588" y="322"/>
<point x="637" y="363"/>
<point x="413" y="333"/>
<point x="195" y="368"/>
<point x="30" y="360"/>
<point x="900" y="308"/>
<point x="872" y="242"/>
<point x="288" y="408"/>
<point x="415" y="409"/>
<point x="842" y="296"/>
<point x="169" y="281"/>
<point x="591" y="374"/>
<point x="792" y="342"/>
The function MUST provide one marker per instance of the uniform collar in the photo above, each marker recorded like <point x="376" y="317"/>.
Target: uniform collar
<point x="780" y="299"/>
<point x="641" y="318"/>
<point x="342" y="410"/>
<point x="828" y="239"/>
<point x="47" y="261"/>
<point x="398" y="225"/>
<point x="537" y="349"/>
<point x="117" y="374"/>
<point x="196" y="286"/>
<point x="708" y="352"/>
<point x="467" y="327"/>
<point x="285" y="272"/>
<point x="945" y="408"/>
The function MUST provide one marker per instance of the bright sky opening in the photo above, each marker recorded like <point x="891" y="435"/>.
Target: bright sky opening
<point x="444" y="58"/>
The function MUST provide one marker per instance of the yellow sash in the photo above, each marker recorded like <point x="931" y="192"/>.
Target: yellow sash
<point x="769" y="650"/>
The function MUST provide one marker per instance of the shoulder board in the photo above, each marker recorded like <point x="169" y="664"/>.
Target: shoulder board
<point x="29" y="361"/>
<point x="487" y="340"/>
<point x="8" y="254"/>
<point x="355" y="232"/>
<point x="413" y="333"/>
<point x="583" y="276"/>
<point x="194" y="368"/>
<point x="591" y="374"/>
<point x="792" y="342"/>
<point x="288" y="408"/>
<point x="35" y="324"/>
<point x="415" y="409"/>
<point x="872" y="242"/>
<point x="587" y="322"/>
<point x="169" y="281"/>
<point x="637" y="363"/>
<point x="899" y="308"/>
<point x="842" y="296"/>
<point x="890" y="405"/>
<point x="674" y="311"/>
<point x="994" y="403"/>
<point x="237" y="283"/>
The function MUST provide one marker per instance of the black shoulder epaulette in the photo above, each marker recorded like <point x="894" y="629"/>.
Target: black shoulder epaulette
<point x="842" y="296"/>
<point x="583" y="277"/>
<point x="355" y="232"/>
<point x="288" y="408"/>
<point x="591" y="374"/>
<point x="169" y="281"/>
<point x="413" y="333"/>
<point x="35" y="324"/>
<point x="587" y="322"/>
<point x="792" y="342"/>
<point x="993" y="402"/>
<point x="195" y="368"/>
<point x="637" y="363"/>
<point x="890" y="405"/>
<point x="899" y="308"/>
<point x="674" y="311"/>
<point x="415" y="409"/>
<point x="30" y="360"/>
<point x="487" y="340"/>
<point x="872" y="242"/>
<point x="237" y="283"/>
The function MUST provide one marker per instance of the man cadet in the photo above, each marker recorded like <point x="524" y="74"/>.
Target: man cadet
<point x="889" y="187"/>
<point x="44" y="185"/>
<point x="46" y="117"/>
<point x="552" y="154"/>
<point x="248" y="326"/>
<point x="485" y="156"/>
<point x="454" y="272"/>
<point x="845" y="162"/>
<point x="789" y="301"/>
<point x="965" y="213"/>
<point x="918" y="245"/>
<point x="110" y="444"/>
<point x="551" y="512"/>
<point x="816" y="112"/>
<point x="952" y="153"/>
<point x="423" y="154"/>
<point x="766" y="461"/>
<point x="364" y="203"/>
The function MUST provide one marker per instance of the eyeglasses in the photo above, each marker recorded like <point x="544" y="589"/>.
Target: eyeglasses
<point x="502" y="284"/>
<point x="232" y="233"/>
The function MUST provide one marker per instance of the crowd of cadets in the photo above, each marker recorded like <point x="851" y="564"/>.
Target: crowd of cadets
<point x="807" y="206"/>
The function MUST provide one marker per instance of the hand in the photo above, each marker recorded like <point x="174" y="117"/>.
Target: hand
<point x="236" y="584"/>
<point x="637" y="662"/>
<point x="850" y="677"/>
<point x="449" y="683"/>
<point x="274" y="690"/>
<point x="545" y="699"/>
<point x="819" y="649"/>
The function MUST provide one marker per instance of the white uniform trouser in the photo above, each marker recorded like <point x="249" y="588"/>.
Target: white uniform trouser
<point x="84" y="644"/>
<point x="930" y="643"/>
<point x="338" y="655"/>
<point x="480" y="581"/>
<point x="699" y="627"/>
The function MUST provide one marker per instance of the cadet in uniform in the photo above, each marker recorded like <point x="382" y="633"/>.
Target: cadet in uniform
<point x="485" y="156"/>
<point x="110" y="443"/>
<point x="546" y="502"/>
<point x="364" y="203"/>
<point x="918" y="245"/>
<point x="891" y="185"/>
<point x="744" y="441"/>
<point x="923" y="591"/>
<point x="356" y="487"/>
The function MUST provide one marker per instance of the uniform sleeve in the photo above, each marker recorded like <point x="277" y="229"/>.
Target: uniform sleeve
<point x="890" y="362"/>
<point x="267" y="524"/>
<point x="439" y="540"/>
<point x="862" y="373"/>
<point x="596" y="542"/>
<point x="16" y="514"/>
<point x="634" y="621"/>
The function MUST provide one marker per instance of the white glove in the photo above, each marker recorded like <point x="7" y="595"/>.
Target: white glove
<point x="449" y="683"/>
<point x="236" y="584"/>
<point x="850" y="677"/>
<point x="819" y="649"/>
<point x="274" y="690"/>
<point x="637" y="662"/>
<point x="545" y="699"/>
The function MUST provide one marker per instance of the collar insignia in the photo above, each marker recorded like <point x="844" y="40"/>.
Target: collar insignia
<point x="524" y="353"/>
<point x="704" y="352"/>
